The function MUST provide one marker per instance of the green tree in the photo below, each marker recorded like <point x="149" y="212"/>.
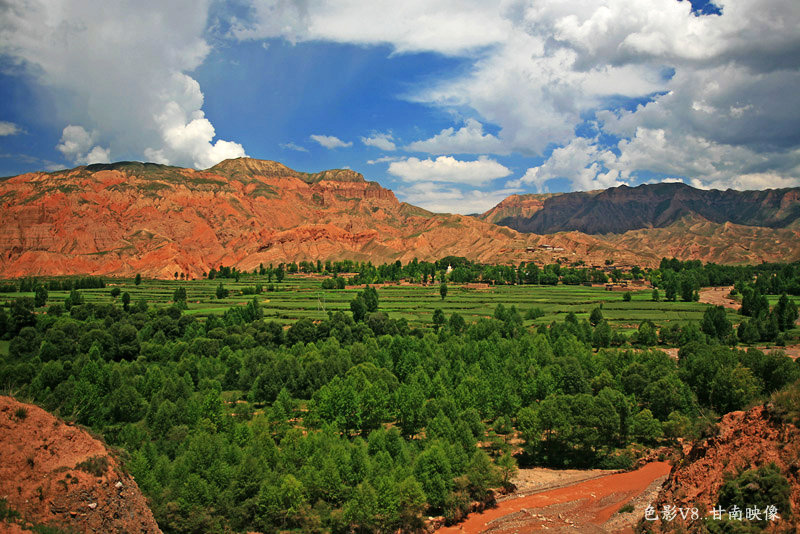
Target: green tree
<point x="126" y="300"/>
<point x="596" y="316"/>
<point x="733" y="388"/>
<point x="138" y="279"/>
<point x="361" y="509"/>
<point x="443" y="290"/>
<point x="715" y="323"/>
<point x="647" y="334"/>
<point x="786" y="313"/>
<point x="626" y="297"/>
<point x="438" y="319"/>
<point x="457" y="323"/>
<point x="601" y="336"/>
<point x="655" y="295"/>
<point x="358" y="308"/>
<point x="433" y="468"/>
<point x="41" y="296"/>
<point x="645" y="427"/>
<point x="221" y="292"/>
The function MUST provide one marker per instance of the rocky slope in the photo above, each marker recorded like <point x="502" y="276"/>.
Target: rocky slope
<point x="125" y="218"/>
<point x="620" y="209"/>
<point x="746" y="440"/>
<point x="55" y="474"/>
<point x="516" y="208"/>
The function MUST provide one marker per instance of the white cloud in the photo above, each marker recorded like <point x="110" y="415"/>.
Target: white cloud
<point x="384" y="141"/>
<point x="449" y="199"/>
<point x="292" y="146"/>
<point x="707" y="164"/>
<point x="330" y="141"/>
<point x="469" y="139"/>
<point x="449" y="169"/>
<point x="119" y="69"/>
<point x="8" y="128"/>
<point x="78" y="146"/>
<point x="746" y="182"/>
<point x="539" y="69"/>
<point x="383" y="159"/>
<point x="581" y="162"/>
<point x="448" y="26"/>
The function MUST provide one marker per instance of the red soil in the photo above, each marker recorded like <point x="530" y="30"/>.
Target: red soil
<point x="40" y="477"/>
<point x="581" y="507"/>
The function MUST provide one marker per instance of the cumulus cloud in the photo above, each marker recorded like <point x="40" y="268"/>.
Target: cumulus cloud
<point x="119" y="70"/>
<point x="581" y="162"/>
<point x="448" y="199"/>
<point x="540" y="69"/>
<point x="449" y="169"/>
<point x="469" y="139"/>
<point x="8" y="128"/>
<point x="708" y="165"/>
<point x="330" y="141"/>
<point x="384" y="141"/>
<point x="78" y="145"/>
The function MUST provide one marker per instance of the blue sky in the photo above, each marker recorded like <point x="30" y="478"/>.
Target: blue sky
<point x="453" y="105"/>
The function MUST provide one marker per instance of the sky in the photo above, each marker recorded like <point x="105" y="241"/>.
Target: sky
<point x="454" y="105"/>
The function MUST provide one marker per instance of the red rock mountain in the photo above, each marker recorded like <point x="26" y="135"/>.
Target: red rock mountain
<point x="125" y="218"/>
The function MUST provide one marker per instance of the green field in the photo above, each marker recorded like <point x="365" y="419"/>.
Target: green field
<point x="301" y="296"/>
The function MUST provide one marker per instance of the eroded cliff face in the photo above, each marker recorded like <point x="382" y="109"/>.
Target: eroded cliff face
<point x="126" y="218"/>
<point x="745" y="440"/>
<point x="56" y="474"/>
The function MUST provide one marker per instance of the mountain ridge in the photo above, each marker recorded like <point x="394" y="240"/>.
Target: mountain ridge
<point x="620" y="209"/>
<point x="124" y="218"/>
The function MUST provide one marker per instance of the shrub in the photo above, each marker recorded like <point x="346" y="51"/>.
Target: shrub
<point x="96" y="465"/>
<point x="21" y="413"/>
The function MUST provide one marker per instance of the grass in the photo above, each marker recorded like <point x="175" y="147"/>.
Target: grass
<point x="301" y="296"/>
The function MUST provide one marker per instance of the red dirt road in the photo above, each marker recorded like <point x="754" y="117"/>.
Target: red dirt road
<point x="581" y="507"/>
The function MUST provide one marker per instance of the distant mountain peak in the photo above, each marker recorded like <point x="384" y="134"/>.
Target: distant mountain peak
<point x="619" y="209"/>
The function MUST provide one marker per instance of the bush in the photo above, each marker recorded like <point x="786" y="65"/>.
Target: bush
<point x="21" y="413"/>
<point x="96" y="465"/>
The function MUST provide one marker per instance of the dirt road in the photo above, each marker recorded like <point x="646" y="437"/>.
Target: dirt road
<point x="718" y="296"/>
<point x="581" y="507"/>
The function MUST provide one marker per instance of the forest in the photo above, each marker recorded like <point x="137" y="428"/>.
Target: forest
<point x="360" y="422"/>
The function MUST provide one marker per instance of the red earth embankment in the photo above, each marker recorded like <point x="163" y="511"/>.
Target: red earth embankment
<point x="56" y="474"/>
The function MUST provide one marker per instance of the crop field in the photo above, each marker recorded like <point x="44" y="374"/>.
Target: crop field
<point x="301" y="296"/>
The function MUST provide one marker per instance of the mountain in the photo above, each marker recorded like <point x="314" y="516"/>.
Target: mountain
<point x="125" y="218"/>
<point x="128" y="217"/>
<point x="61" y="479"/>
<point x="620" y="209"/>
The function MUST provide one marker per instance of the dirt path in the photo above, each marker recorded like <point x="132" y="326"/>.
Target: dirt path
<point x="581" y="507"/>
<point x="718" y="296"/>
